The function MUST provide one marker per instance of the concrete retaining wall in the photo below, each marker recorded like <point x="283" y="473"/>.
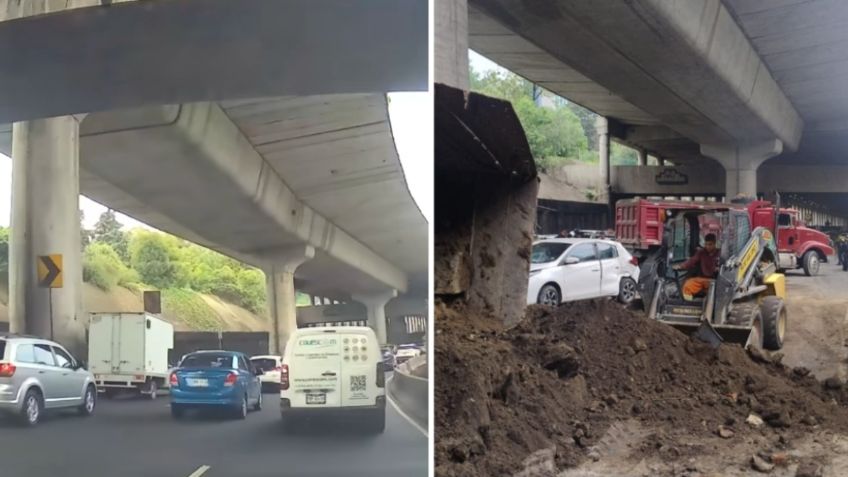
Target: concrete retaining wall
<point x="410" y="392"/>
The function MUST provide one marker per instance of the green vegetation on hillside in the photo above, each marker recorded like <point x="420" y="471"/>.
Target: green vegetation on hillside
<point x="558" y="134"/>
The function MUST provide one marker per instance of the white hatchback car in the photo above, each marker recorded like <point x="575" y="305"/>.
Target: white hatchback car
<point x="270" y="366"/>
<point x="571" y="269"/>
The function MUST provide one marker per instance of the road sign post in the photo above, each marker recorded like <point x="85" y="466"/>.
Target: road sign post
<point x="49" y="272"/>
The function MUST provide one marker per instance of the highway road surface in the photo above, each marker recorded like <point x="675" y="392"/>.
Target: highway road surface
<point x="134" y="437"/>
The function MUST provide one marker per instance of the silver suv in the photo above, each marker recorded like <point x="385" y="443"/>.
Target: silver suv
<point x="37" y="375"/>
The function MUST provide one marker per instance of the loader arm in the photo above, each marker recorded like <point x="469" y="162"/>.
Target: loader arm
<point x="736" y="277"/>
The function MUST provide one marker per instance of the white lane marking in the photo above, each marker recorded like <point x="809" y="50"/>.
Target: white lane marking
<point x="400" y="411"/>
<point x="200" y="471"/>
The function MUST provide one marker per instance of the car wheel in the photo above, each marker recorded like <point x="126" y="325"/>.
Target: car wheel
<point x="627" y="290"/>
<point x="241" y="411"/>
<point x="549" y="295"/>
<point x="258" y="406"/>
<point x="177" y="411"/>
<point x="89" y="401"/>
<point x="377" y="422"/>
<point x="811" y="263"/>
<point x="32" y="408"/>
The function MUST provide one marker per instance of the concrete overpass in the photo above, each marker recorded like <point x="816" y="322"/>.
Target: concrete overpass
<point x="261" y="132"/>
<point x="728" y="84"/>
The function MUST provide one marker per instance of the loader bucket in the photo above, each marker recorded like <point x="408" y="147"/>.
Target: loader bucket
<point x="715" y="335"/>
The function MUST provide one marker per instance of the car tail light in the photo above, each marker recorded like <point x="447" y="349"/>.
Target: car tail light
<point x="174" y="381"/>
<point x="284" y="376"/>
<point x="381" y="376"/>
<point x="230" y="380"/>
<point x="278" y="369"/>
<point x="634" y="260"/>
<point x="7" y="370"/>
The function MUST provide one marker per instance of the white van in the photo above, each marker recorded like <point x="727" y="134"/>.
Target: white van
<point x="329" y="370"/>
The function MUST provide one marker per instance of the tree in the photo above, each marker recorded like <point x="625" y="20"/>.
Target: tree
<point x="85" y="234"/>
<point x="108" y="230"/>
<point x="555" y="134"/>
<point x="103" y="267"/>
<point x="150" y="257"/>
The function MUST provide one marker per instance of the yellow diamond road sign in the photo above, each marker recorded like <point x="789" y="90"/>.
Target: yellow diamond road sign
<point x="50" y="271"/>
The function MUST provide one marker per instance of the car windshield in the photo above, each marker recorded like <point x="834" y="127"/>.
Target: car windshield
<point x="265" y="364"/>
<point x="545" y="252"/>
<point x="208" y="360"/>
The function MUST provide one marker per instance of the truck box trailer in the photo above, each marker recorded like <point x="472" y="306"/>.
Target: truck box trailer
<point x="129" y="351"/>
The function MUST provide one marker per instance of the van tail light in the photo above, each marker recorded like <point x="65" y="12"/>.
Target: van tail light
<point x="7" y="370"/>
<point x="174" y="382"/>
<point x="284" y="377"/>
<point x="230" y="380"/>
<point x="381" y="375"/>
<point x="634" y="260"/>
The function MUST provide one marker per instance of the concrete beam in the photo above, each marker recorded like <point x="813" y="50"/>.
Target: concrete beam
<point x="740" y="162"/>
<point x="97" y="58"/>
<point x="375" y="304"/>
<point x="194" y="166"/>
<point x="687" y="64"/>
<point x="450" y="43"/>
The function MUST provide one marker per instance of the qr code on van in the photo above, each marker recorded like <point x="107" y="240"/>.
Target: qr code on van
<point x="357" y="383"/>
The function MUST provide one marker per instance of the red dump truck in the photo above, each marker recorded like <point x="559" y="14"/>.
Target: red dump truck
<point x="639" y="227"/>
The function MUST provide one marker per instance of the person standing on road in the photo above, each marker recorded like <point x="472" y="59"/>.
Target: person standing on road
<point x="706" y="260"/>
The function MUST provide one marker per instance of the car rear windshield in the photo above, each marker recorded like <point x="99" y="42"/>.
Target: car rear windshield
<point x="208" y="360"/>
<point x="547" y="251"/>
<point x="265" y="364"/>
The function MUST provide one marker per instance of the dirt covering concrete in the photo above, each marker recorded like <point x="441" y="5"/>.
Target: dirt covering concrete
<point x="572" y="385"/>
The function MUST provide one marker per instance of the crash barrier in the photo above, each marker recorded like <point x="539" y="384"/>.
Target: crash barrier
<point x="409" y="390"/>
<point x="251" y="343"/>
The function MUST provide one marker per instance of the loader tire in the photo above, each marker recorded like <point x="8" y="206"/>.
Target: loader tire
<point x="774" y="319"/>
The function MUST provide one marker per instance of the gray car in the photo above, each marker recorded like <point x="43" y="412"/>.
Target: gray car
<point x="38" y="375"/>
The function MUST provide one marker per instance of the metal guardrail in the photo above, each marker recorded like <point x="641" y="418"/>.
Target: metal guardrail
<point x="410" y="392"/>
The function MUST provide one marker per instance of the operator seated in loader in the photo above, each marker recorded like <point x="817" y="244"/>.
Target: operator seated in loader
<point x="707" y="261"/>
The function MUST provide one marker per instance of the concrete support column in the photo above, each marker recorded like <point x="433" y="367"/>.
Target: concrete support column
<point x="45" y="220"/>
<point x="375" y="304"/>
<point x="643" y="157"/>
<point x="282" y="297"/>
<point x="660" y="161"/>
<point x="450" y="43"/>
<point x="740" y="162"/>
<point x="602" y="128"/>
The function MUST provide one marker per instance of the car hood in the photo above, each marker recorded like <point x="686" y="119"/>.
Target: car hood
<point x="542" y="266"/>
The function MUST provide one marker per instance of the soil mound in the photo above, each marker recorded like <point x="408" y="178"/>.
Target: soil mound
<point x="559" y="378"/>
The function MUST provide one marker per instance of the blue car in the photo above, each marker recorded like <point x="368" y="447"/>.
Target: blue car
<point x="222" y="379"/>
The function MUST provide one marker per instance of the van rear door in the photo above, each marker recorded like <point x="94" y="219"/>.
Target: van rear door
<point x="359" y="369"/>
<point x="315" y="370"/>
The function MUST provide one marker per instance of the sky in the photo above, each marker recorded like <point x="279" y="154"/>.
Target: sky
<point x="411" y="116"/>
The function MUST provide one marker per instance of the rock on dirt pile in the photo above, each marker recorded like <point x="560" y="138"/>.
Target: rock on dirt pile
<point x="559" y="378"/>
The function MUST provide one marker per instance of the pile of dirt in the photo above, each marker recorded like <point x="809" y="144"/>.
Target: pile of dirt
<point x="560" y="377"/>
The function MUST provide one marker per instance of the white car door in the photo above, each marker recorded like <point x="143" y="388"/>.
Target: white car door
<point x="610" y="268"/>
<point x="581" y="279"/>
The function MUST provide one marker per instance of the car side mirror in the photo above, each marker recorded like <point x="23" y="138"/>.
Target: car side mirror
<point x="79" y="365"/>
<point x="570" y="260"/>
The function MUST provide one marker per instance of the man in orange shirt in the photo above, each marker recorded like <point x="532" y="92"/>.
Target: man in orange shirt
<point x="706" y="259"/>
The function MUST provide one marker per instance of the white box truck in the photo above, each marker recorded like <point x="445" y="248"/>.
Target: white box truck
<point x="129" y="351"/>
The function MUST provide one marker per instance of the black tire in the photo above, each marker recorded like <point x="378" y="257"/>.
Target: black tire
<point x="627" y="290"/>
<point x="241" y="411"/>
<point x="177" y="411"/>
<point x="152" y="388"/>
<point x="774" y="322"/>
<point x="87" y="407"/>
<point x="30" y="416"/>
<point x="376" y="422"/>
<point x="258" y="406"/>
<point x="549" y="295"/>
<point x="811" y="263"/>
